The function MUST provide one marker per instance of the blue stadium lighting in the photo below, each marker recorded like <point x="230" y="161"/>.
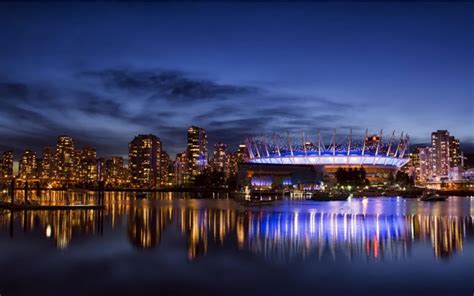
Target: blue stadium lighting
<point x="373" y="150"/>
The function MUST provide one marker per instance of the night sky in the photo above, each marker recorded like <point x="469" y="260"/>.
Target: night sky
<point x="104" y="73"/>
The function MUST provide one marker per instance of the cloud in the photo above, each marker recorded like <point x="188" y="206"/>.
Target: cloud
<point x="94" y="104"/>
<point x="107" y="108"/>
<point x="13" y="90"/>
<point x="174" y="86"/>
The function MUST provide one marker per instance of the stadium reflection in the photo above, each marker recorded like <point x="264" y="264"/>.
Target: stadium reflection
<point x="277" y="234"/>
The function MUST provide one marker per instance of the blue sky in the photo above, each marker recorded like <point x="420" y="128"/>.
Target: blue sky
<point x="104" y="73"/>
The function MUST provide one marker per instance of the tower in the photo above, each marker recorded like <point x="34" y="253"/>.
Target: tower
<point x="28" y="166"/>
<point x="196" y="151"/>
<point x="65" y="158"/>
<point x="7" y="165"/>
<point x="144" y="153"/>
<point x="440" y="144"/>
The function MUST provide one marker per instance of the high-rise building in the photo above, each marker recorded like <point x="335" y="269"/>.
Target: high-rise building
<point x="242" y="153"/>
<point x="85" y="165"/>
<point x="240" y="156"/>
<point x="414" y="164"/>
<point x="47" y="169"/>
<point x="180" y="169"/>
<point x="196" y="151"/>
<point x="118" y="172"/>
<point x="65" y="158"/>
<point x="440" y="144"/>
<point x="101" y="171"/>
<point x="426" y="163"/>
<point x="106" y="171"/>
<point x="28" y="166"/>
<point x="7" y="165"/>
<point x="165" y="168"/>
<point x="144" y="153"/>
<point x="454" y="152"/>
<point x="112" y="171"/>
<point x="221" y="159"/>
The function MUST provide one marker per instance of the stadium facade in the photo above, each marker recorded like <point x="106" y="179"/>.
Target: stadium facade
<point x="276" y="160"/>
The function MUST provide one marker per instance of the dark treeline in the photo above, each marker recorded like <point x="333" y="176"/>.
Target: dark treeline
<point x="354" y="177"/>
<point x="401" y="178"/>
<point x="215" y="179"/>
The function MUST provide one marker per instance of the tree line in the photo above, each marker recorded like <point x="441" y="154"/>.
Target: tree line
<point x="351" y="176"/>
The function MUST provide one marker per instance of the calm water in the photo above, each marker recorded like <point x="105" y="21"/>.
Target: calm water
<point x="175" y="246"/>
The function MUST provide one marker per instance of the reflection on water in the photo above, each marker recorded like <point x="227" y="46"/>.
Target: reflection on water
<point x="370" y="229"/>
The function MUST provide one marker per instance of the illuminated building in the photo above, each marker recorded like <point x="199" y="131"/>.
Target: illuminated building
<point x="196" y="151"/>
<point x="28" y="165"/>
<point x="47" y="164"/>
<point x="421" y="164"/>
<point x="165" y="167"/>
<point x="144" y="153"/>
<point x="447" y="156"/>
<point x="425" y="163"/>
<point x="469" y="174"/>
<point x="86" y="165"/>
<point x="440" y="144"/>
<point x="65" y="158"/>
<point x="221" y="159"/>
<point x="240" y="156"/>
<point x="379" y="156"/>
<point x="242" y="153"/>
<point x="7" y="165"/>
<point x="180" y="169"/>
<point x="455" y="157"/>
<point x="442" y="161"/>
<point x="413" y="168"/>
<point x="117" y="171"/>
<point x="112" y="171"/>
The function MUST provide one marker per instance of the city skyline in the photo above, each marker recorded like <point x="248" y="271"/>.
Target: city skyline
<point x="104" y="77"/>
<point x="466" y="147"/>
<point x="236" y="148"/>
<point x="149" y="166"/>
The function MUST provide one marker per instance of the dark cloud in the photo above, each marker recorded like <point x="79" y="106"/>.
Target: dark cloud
<point x="95" y="104"/>
<point x="107" y="108"/>
<point x="13" y="90"/>
<point x="218" y="111"/>
<point x="172" y="85"/>
<point x="234" y="132"/>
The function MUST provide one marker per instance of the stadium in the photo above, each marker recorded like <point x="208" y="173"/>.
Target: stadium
<point x="287" y="160"/>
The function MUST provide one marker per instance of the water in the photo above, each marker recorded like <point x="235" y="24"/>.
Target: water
<point x="179" y="245"/>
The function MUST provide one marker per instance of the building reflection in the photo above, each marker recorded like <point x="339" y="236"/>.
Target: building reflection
<point x="274" y="235"/>
<point x="290" y="235"/>
<point x="145" y="225"/>
<point x="59" y="225"/>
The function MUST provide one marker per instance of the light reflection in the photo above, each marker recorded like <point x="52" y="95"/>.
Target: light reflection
<point x="363" y="231"/>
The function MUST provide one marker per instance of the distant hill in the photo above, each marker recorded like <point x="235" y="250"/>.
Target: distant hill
<point x="469" y="161"/>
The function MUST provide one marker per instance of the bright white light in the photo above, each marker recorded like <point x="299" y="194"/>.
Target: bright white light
<point x="48" y="231"/>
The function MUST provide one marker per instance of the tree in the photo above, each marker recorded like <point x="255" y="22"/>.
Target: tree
<point x="391" y="178"/>
<point x="210" y="179"/>
<point x="354" y="177"/>
<point x="404" y="179"/>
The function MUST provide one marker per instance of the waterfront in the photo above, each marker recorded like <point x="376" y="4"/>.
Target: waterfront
<point x="183" y="245"/>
